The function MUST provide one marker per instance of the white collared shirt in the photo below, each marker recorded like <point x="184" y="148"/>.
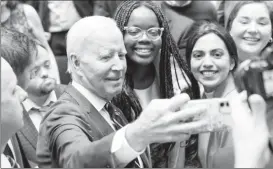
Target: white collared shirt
<point x="5" y="162"/>
<point x="122" y="151"/>
<point x="36" y="117"/>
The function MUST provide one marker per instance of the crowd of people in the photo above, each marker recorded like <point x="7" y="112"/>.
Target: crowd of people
<point x="106" y="84"/>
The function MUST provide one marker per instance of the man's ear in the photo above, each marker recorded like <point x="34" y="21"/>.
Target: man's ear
<point x="75" y="61"/>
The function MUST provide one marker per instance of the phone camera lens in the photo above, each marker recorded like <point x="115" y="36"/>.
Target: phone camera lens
<point x="222" y="104"/>
<point x="227" y="104"/>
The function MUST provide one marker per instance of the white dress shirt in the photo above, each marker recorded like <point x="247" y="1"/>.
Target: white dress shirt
<point x="5" y="162"/>
<point x="35" y="116"/>
<point x="122" y="151"/>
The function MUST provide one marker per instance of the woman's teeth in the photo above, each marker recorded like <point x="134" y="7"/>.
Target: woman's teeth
<point x="208" y="73"/>
<point x="143" y="50"/>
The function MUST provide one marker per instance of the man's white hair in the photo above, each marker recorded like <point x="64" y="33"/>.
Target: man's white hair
<point x="85" y="27"/>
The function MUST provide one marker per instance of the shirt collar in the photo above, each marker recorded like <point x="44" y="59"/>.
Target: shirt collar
<point x="29" y="104"/>
<point x="96" y="101"/>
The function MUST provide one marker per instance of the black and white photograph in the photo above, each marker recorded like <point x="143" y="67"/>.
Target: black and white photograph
<point x="136" y="84"/>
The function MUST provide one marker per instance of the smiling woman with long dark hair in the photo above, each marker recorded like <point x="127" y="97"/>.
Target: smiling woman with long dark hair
<point x="154" y="70"/>
<point x="212" y="56"/>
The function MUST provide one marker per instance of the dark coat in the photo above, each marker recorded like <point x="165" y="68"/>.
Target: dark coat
<point x="74" y="134"/>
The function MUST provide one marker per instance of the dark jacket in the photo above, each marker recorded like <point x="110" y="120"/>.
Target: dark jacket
<point x="74" y="134"/>
<point x="28" y="135"/>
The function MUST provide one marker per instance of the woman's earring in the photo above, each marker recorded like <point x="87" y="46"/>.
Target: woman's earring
<point x="270" y="40"/>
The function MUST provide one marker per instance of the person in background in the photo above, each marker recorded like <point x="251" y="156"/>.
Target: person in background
<point x="154" y="70"/>
<point x="11" y="111"/>
<point x="186" y="12"/>
<point x="61" y="15"/>
<point x="31" y="64"/>
<point x="24" y="18"/>
<point x="212" y="56"/>
<point x="106" y="8"/>
<point x="222" y="7"/>
<point x="250" y="25"/>
<point x="84" y="128"/>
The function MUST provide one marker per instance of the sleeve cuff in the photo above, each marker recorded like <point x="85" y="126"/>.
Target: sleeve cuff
<point x="121" y="148"/>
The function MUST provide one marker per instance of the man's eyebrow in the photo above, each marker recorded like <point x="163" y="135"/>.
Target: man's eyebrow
<point x="264" y="18"/>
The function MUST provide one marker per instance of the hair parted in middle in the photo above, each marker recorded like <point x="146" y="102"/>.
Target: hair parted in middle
<point x="201" y="28"/>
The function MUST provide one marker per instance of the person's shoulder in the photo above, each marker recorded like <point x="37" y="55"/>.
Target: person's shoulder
<point x="65" y="104"/>
<point x="29" y="10"/>
<point x="31" y="13"/>
<point x="63" y="111"/>
<point x="59" y="89"/>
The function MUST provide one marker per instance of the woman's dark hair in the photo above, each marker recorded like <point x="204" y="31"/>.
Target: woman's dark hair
<point x="201" y="28"/>
<point x="127" y="101"/>
<point x="168" y="49"/>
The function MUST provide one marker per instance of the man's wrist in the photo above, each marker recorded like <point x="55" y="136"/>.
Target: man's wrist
<point x="135" y="137"/>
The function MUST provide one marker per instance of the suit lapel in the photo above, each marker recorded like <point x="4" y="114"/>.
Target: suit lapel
<point x="99" y="121"/>
<point x="94" y="117"/>
<point x="29" y="130"/>
<point x="20" y="156"/>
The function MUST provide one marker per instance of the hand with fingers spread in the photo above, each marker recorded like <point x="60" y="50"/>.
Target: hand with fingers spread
<point x="250" y="131"/>
<point x="162" y="121"/>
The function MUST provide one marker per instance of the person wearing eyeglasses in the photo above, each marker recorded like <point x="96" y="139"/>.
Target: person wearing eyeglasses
<point x="84" y="128"/>
<point x="154" y="70"/>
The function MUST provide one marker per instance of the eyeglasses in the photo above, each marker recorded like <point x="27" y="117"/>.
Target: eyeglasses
<point x="152" y="33"/>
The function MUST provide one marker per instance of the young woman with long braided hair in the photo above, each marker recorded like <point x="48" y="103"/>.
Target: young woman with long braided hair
<point x="154" y="70"/>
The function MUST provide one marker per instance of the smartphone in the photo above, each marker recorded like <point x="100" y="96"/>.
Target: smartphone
<point x="218" y="113"/>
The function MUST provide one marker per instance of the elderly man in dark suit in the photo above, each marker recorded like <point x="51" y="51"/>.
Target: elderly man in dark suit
<point x="31" y="64"/>
<point x="83" y="128"/>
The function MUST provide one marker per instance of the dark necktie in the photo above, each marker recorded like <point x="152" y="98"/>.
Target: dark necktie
<point x="8" y="153"/>
<point x="191" y="155"/>
<point x="116" y="116"/>
<point x="119" y="121"/>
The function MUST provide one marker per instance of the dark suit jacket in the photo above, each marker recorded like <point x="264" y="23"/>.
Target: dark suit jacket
<point x="74" y="134"/>
<point x="27" y="136"/>
<point x="19" y="154"/>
